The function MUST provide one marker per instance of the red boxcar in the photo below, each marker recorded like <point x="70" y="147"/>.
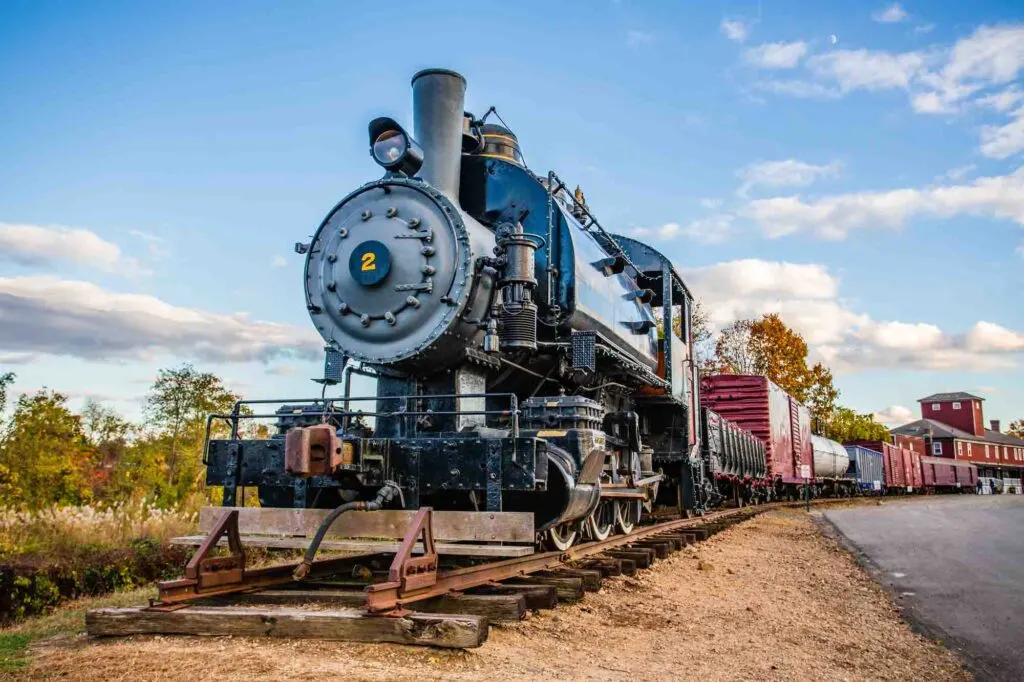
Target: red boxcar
<point x="942" y="473"/>
<point x="757" y="405"/>
<point x="912" y="465"/>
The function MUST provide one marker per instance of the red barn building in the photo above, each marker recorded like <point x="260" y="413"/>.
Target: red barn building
<point x="953" y="425"/>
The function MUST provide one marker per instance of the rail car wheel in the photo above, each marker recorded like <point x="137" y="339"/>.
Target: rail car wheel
<point x="561" y="538"/>
<point x="627" y="515"/>
<point x="602" y="522"/>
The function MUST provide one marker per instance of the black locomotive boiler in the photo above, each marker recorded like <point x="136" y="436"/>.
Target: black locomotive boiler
<point x="525" y="358"/>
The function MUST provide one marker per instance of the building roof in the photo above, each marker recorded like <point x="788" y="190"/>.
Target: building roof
<point x="946" y="397"/>
<point x="936" y="429"/>
<point x="932" y="428"/>
<point x="1004" y="438"/>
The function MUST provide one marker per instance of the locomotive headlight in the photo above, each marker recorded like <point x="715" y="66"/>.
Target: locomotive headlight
<point x="392" y="148"/>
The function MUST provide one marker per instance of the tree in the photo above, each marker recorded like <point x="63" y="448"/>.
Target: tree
<point x="6" y="379"/>
<point x="45" y="453"/>
<point x="700" y="329"/>
<point x="821" y="396"/>
<point x="780" y="354"/>
<point x="108" y="433"/>
<point x="1016" y="429"/>
<point x="845" y="425"/>
<point x="178" y="404"/>
<point x="733" y="352"/>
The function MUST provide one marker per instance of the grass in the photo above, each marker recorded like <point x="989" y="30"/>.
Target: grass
<point x="66" y="621"/>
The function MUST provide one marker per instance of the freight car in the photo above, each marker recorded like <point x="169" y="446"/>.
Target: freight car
<point x="941" y="474"/>
<point x="514" y="343"/>
<point x="757" y="405"/>
<point x="734" y="461"/>
<point x="867" y="469"/>
<point x="831" y="467"/>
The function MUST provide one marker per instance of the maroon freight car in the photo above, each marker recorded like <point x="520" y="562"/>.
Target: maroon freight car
<point x="892" y="461"/>
<point x="759" y="406"/>
<point x="944" y="474"/>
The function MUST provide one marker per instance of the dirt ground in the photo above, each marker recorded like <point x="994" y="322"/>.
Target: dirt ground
<point x="769" y="599"/>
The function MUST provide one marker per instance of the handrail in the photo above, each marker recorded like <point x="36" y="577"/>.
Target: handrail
<point x="329" y="410"/>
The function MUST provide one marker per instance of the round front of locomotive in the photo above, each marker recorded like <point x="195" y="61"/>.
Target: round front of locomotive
<point x="388" y="273"/>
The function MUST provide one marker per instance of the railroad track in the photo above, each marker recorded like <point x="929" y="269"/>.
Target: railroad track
<point x="414" y="601"/>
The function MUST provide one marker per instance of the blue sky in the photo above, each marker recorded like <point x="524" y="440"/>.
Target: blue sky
<point x="854" y="166"/>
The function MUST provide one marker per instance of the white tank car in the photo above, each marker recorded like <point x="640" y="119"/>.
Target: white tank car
<point x="830" y="458"/>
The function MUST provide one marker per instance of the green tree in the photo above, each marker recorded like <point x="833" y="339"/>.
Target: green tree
<point x="108" y="433"/>
<point x="45" y="454"/>
<point x="845" y="425"/>
<point x="177" y="405"/>
<point x="1016" y="428"/>
<point x="822" y="396"/>
<point x="6" y="379"/>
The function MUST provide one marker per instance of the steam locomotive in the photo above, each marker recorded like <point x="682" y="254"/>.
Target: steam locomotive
<point x="525" y="358"/>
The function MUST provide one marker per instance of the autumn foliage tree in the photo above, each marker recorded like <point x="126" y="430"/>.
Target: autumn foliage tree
<point x="768" y="347"/>
<point x="1016" y="428"/>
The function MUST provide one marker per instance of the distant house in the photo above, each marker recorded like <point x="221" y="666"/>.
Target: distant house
<point x="953" y="425"/>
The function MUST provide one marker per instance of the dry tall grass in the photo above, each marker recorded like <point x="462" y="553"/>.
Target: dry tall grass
<point x="59" y="531"/>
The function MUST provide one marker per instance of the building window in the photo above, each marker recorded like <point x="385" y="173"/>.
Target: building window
<point x="986" y="450"/>
<point x="956" y="406"/>
<point x="959" y="448"/>
<point x="936" y="448"/>
<point x="935" y="407"/>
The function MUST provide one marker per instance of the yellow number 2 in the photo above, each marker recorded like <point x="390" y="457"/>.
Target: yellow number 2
<point x="368" y="261"/>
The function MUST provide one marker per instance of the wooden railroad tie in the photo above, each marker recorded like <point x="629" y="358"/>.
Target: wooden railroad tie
<point x="425" y="629"/>
<point x="537" y="596"/>
<point x="568" y="589"/>
<point x="661" y="549"/>
<point x="591" y="578"/>
<point x="641" y="557"/>
<point x="608" y="566"/>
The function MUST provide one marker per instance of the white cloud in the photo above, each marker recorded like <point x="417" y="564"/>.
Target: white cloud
<point x="834" y="217"/>
<point x="867" y="69"/>
<point x="713" y="229"/>
<point x="1004" y="100"/>
<point x="278" y="261"/>
<point x="48" y="315"/>
<point x="785" y="173"/>
<point x="958" y="173"/>
<point x="636" y="38"/>
<point x="1000" y="142"/>
<point x="776" y="55"/>
<point x="800" y="88"/>
<point x="282" y="370"/>
<point x="807" y="297"/>
<point x="17" y="358"/>
<point x="895" y="415"/>
<point x="893" y="14"/>
<point x="734" y="30"/>
<point x="38" y="245"/>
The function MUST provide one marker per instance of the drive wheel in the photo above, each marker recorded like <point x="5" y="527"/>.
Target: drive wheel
<point x="602" y="522"/>
<point x="627" y="515"/>
<point x="561" y="538"/>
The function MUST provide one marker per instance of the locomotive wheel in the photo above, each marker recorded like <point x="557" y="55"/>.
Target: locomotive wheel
<point x="561" y="538"/>
<point x="602" y="522"/>
<point x="627" y="515"/>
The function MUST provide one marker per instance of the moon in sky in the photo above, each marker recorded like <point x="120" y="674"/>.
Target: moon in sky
<point x="833" y="39"/>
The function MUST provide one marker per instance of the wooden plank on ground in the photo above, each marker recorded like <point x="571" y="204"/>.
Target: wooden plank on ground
<point x="496" y="607"/>
<point x="360" y="546"/>
<point x="455" y="526"/>
<point x="641" y="558"/>
<point x="440" y="630"/>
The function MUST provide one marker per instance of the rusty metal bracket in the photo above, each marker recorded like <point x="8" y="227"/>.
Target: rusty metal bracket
<point x="408" y="574"/>
<point x="209" y="571"/>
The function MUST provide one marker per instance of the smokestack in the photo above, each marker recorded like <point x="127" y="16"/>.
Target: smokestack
<point x="995" y="425"/>
<point x="438" y="103"/>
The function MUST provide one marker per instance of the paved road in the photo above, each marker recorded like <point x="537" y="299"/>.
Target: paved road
<point x="956" y="566"/>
